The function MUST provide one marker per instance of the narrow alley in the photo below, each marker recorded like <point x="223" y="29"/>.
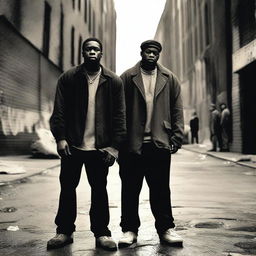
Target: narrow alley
<point x="213" y="204"/>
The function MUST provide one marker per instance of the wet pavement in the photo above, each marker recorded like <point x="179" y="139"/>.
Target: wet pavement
<point x="213" y="204"/>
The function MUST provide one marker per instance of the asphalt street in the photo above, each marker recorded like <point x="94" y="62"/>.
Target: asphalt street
<point x="213" y="204"/>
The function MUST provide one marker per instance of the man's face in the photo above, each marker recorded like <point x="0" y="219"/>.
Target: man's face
<point x="211" y="108"/>
<point x="222" y="106"/>
<point x="150" y="55"/>
<point x="92" y="51"/>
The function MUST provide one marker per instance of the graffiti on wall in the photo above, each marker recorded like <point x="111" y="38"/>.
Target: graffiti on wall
<point x="14" y="120"/>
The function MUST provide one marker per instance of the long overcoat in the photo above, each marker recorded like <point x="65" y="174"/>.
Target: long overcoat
<point x="167" y="123"/>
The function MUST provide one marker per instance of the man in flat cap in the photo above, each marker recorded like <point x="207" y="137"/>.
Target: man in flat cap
<point x="154" y="117"/>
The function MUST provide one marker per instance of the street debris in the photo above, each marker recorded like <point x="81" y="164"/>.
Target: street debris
<point x="13" y="228"/>
<point x="244" y="228"/>
<point x="9" y="168"/>
<point x="235" y="254"/>
<point x="45" y="145"/>
<point x="209" y="225"/>
<point x="8" y="209"/>
<point x="113" y="206"/>
<point x="244" y="159"/>
<point x="202" y="156"/>
<point x="82" y="212"/>
<point x="246" y="245"/>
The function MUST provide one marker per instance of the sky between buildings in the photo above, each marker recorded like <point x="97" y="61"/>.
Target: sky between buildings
<point x="137" y="21"/>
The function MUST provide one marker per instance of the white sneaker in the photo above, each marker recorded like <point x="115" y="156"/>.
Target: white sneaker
<point x="170" y="237"/>
<point x="127" y="239"/>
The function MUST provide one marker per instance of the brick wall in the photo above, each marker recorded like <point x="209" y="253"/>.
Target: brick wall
<point x="236" y="145"/>
<point x="26" y="88"/>
<point x="243" y="32"/>
<point x="196" y="53"/>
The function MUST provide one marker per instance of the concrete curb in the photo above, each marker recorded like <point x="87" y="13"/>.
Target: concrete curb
<point x="32" y="167"/>
<point x="25" y="176"/>
<point x="249" y="164"/>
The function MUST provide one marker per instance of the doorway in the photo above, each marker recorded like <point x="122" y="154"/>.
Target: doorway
<point x="248" y="108"/>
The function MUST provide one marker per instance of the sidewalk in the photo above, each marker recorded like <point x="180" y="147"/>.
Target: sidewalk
<point x="238" y="158"/>
<point x="25" y="166"/>
<point x="34" y="166"/>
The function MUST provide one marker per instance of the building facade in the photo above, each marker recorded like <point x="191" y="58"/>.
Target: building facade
<point x="243" y="20"/>
<point x="38" y="41"/>
<point x="194" y="38"/>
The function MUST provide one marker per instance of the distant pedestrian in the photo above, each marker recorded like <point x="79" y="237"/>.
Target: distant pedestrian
<point x="88" y="123"/>
<point x="194" y="127"/>
<point x="215" y="131"/>
<point x="225" y="125"/>
<point x="154" y="131"/>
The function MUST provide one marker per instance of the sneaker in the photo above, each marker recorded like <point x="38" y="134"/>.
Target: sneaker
<point x="106" y="243"/>
<point x="170" y="237"/>
<point x="127" y="239"/>
<point x="59" y="241"/>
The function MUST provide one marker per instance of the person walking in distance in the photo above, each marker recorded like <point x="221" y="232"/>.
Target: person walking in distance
<point x="155" y="127"/>
<point x="225" y="125"/>
<point x="88" y="123"/>
<point x="194" y="127"/>
<point x="215" y="132"/>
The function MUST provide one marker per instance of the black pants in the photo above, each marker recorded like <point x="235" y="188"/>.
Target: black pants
<point x="194" y="136"/>
<point x="216" y="141"/>
<point x="69" y="179"/>
<point x="154" y="165"/>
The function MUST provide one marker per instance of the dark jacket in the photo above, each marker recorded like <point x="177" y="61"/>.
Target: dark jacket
<point x="215" y="122"/>
<point x="70" y="109"/>
<point x="167" y="121"/>
<point x="194" y="124"/>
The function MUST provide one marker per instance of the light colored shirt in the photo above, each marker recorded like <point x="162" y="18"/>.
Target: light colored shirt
<point x="89" y="132"/>
<point x="149" y="82"/>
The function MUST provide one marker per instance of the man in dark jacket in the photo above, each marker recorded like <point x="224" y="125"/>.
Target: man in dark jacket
<point x="194" y="127"/>
<point x="215" y="130"/>
<point x="154" y="117"/>
<point x="88" y="123"/>
<point x="225" y="126"/>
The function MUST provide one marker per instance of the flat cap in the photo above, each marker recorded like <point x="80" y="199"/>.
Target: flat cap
<point x="151" y="43"/>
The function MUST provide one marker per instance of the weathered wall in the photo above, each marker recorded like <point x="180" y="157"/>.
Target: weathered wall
<point x="27" y="88"/>
<point x="193" y="34"/>
<point x="29" y="70"/>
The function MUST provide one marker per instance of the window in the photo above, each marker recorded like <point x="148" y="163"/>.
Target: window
<point x="207" y="27"/>
<point x="72" y="46"/>
<point x="73" y="4"/>
<point x="93" y="24"/>
<point x="79" y="59"/>
<point x="85" y="10"/>
<point x="79" y="5"/>
<point x="90" y="16"/>
<point x="47" y="26"/>
<point x="61" y="52"/>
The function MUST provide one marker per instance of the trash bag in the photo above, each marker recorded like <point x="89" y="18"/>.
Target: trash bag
<point x="45" y="145"/>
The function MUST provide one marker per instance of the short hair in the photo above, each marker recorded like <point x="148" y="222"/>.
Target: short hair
<point x="92" y="39"/>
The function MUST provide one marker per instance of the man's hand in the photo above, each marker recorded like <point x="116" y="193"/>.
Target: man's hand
<point x="63" y="148"/>
<point x="108" y="159"/>
<point x="174" y="149"/>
